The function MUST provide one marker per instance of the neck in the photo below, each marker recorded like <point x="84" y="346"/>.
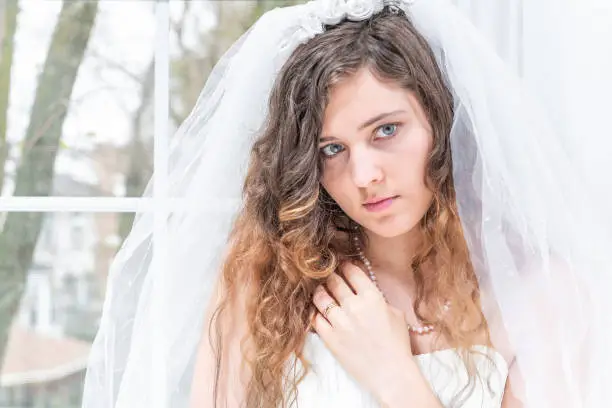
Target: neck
<point x="392" y="256"/>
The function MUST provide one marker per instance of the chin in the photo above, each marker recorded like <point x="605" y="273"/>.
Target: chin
<point x="391" y="227"/>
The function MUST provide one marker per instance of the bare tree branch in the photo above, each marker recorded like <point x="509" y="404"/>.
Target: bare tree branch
<point x="178" y="26"/>
<point x="109" y="62"/>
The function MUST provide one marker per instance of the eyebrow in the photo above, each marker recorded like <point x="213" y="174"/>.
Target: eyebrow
<point x="368" y="122"/>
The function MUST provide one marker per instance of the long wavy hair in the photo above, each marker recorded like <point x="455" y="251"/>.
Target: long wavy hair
<point x="290" y="234"/>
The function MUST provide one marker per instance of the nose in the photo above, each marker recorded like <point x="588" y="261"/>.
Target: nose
<point x="365" y="168"/>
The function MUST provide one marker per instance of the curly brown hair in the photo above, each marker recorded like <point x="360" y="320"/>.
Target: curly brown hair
<point x="290" y="234"/>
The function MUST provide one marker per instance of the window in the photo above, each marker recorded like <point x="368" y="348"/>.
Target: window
<point x="72" y="186"/>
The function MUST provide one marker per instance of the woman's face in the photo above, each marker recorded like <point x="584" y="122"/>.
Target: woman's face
<point x="368" y="157"/>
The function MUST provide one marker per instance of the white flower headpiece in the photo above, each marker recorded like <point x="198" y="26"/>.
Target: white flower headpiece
<point x="331" y="12"/>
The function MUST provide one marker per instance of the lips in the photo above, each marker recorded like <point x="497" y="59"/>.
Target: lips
<point x="379" y="204"/>
<point x="376" y="200"/>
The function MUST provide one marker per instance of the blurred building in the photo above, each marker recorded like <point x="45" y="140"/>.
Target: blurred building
<point x="59" y="314"/>
<point x="42" y="371"/>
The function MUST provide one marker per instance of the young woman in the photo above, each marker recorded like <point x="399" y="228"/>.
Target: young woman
<point x="401" y="238"/>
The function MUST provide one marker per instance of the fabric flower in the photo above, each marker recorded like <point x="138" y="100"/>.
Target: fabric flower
<point x="332" y="12"/>
<point x="310" y="25"/>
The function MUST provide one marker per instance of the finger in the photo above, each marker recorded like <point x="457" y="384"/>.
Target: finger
<point x="322" y="299"/>
<point x="322" y="327"/>
<point x="339" y="289"/>
<point x="357" y="278"/>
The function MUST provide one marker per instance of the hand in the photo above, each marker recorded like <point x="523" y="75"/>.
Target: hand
<point x="366" y="335"/>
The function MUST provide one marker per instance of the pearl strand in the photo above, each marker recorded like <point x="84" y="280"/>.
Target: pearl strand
<point x="417" y="329"/>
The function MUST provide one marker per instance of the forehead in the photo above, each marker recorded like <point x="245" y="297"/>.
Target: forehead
<point x="360" y="97"/>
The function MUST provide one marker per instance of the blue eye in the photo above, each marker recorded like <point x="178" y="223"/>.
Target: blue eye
<point x="391" y="126"/>
<point x="331" y="150"/>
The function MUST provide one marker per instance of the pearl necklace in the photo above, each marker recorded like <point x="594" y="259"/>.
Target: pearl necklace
<point x="417" y="329"/>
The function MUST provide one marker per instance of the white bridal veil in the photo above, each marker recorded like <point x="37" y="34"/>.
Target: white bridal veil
<point x="527" y="141"/>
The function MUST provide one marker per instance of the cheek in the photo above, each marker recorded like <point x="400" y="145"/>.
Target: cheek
<point x="420" y="183"/>
<point x="334" y="186"/>
<point x="338" y="185"/>
<point x="410" y="165"/>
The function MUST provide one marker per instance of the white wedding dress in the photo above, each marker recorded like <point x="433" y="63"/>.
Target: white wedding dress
<point x="328" y="385"/>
